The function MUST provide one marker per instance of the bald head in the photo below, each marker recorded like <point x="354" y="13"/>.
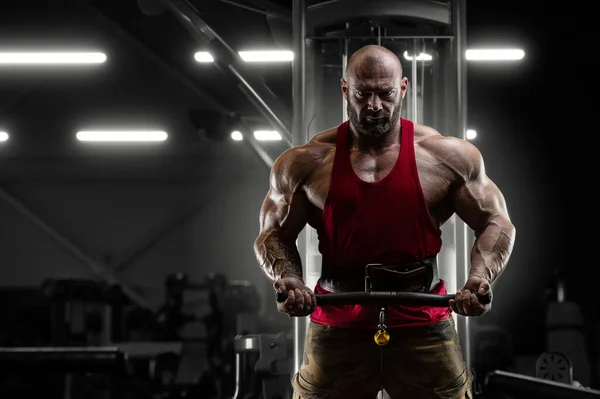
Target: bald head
<point x="374" y="88"/>
<point x="371" y="59"/>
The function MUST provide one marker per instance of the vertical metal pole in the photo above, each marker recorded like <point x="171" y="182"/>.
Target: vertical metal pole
<point x="299" y="137"/>
<point x="415" y="98"/>
<point x="463" y="243"/>
<point x="421" y="102"/>
<point x="344" y="66"/>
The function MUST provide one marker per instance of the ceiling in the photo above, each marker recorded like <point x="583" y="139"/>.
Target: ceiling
<point x="150" y="79"/>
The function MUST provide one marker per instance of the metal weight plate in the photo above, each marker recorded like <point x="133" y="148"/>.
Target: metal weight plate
<point x="554" y="366"/>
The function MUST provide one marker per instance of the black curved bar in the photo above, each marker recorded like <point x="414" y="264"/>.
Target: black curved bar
<point x="403" y="298"/>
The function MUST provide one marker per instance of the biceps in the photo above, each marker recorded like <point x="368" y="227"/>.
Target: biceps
<point x="479" y="203"/>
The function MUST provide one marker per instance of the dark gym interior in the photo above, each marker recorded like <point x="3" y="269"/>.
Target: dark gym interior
<point x="127" y="269"/>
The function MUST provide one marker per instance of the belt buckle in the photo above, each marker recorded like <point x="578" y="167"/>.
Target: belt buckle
<point x="368" y="277"/>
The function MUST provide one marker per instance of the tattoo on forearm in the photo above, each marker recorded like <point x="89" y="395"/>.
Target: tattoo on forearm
<point x="278" y="257"/>
<point x="492" y="251"/>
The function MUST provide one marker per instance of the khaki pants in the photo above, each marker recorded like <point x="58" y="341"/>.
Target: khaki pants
<point x="418" y="363"/>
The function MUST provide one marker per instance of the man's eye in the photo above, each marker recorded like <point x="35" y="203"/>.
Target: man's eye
<point x="360" y="93"/>
<point x="389" y="93"/>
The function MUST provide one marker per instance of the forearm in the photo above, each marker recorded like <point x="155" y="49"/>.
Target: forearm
<point x="277" y="256"/>
<point x="492" y="249"/>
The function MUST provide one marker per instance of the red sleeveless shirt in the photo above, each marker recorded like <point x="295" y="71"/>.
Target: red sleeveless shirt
<point x="386" y="221"/>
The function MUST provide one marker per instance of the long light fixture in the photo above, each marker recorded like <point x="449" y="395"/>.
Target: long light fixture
<point x="267" y="56"/>
<point x="284" y="56"/>
<point x="35" y="58"/>
<point x="121" y="136"/>
<point x="203" y="56"/>
<point x="251" y="56"/>
<point x="420" y="57"/>
<point x="260" y="135"/>
<point x="267" y="135"/>
<point x="3" y="136"/>
<point x="494" y="54"/>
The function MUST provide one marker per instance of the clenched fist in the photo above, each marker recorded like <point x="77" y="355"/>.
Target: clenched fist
<point x="300" y="301"/>
<point x="465" y="301"/>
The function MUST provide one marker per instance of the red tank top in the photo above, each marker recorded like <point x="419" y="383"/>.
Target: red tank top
<point x="386" y="221"/>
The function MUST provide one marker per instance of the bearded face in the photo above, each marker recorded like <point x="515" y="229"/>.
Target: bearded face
<point x="373" y="114"/>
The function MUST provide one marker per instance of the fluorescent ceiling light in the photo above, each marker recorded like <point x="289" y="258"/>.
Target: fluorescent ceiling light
<point x="494" y="54"/>
<point x="52" y="58"/>
<point x="3" y="136"/>
<point x="279" y="56"/>
<point x="267" y="135"/>
<point x="266" y="56"/>
<point x="121" y="136"/>
<point x="203" y="56"/>
<point x="251" y="56"/>
<point x="237" y="136"/>
<point x="471" y="134"/>
<point x="420" y="57"/>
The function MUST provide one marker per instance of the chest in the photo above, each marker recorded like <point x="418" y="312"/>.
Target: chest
<point x="373" y="168"/>
<point x="434" y="179"/>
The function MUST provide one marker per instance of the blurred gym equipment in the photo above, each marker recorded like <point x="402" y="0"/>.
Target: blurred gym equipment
<point x="263" y="366"/>
<point x="96" y="338"/>
<point x="504" y="385"/>
<point x="565" y="326"/>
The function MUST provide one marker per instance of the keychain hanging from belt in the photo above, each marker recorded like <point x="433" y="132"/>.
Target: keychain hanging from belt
<point x="415" y="277"/>
<point x="382" y="337"/>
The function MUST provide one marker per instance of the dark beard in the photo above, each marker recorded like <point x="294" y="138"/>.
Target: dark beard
<point x="375" y="128"/>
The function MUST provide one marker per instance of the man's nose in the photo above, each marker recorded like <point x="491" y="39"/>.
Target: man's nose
<point x="374" y="102"/>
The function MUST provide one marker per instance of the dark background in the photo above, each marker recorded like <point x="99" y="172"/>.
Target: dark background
<point x="190" y="205"/>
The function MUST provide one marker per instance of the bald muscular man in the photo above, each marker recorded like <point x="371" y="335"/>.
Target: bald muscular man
<point x="377" y="188"/>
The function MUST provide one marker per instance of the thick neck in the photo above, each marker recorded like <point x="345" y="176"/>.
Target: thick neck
<point x="368" y="144"/>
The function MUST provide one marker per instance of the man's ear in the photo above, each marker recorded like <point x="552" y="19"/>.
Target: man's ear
<point x="403" y="86"/>
<point x="344" y="86"/>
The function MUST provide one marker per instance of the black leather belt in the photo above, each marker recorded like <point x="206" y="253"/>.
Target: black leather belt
<point x="419" y="276"/>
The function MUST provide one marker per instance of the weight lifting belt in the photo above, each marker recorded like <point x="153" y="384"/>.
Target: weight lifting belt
<point x="419" y="276"/>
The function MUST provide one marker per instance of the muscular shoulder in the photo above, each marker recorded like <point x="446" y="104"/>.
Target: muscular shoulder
<point x="460" y="155"/>
<point x="424" y="132"/>
<point x="327" y="136"/>
<point x="293" y="167"/>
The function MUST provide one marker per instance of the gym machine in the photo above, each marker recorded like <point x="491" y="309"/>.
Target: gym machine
<point x="263" y="366"/>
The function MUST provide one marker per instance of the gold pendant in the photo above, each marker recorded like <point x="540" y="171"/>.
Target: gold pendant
<point x="382" y="337"/>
